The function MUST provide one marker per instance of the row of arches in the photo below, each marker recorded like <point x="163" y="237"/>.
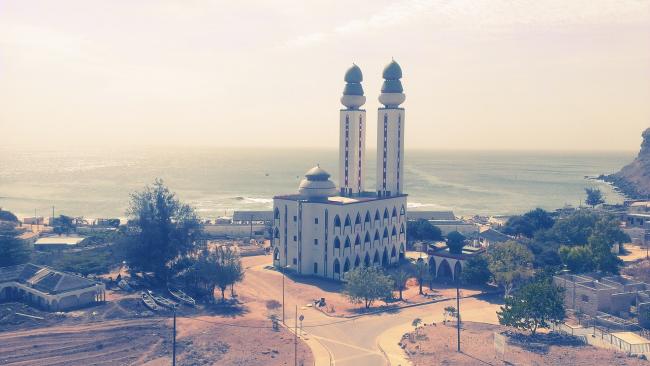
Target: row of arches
<point x="368" y="240"/>
<point x="443" y="270"/>
<point x="367" y="219"/>
<point x="384" y="260"/>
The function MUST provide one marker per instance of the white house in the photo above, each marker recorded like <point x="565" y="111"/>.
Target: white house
<point x="326" y="231"/>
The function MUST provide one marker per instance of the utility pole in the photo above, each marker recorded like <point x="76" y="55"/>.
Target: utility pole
<point x="458" y="310"/>
<point x="174" y="341"/>
<point x="295" y="340"/>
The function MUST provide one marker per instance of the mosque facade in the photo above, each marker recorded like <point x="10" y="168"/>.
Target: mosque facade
<point x="327" y="230"/>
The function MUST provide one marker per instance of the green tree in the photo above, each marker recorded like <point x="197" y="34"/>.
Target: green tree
<point x="449" y="311"/>
<point x="416" y="324"/>
<point x="399" y="277"/>
<point x="594" y="197"/>
<point x="510" y="264"/>
<point x="476" y="271"/>
<point x="455" y="242"/>
<point x="366" y="284"/>
<point x="163" y="230"/>
<point x="578" y="259"/>
<point x="421" y="272"/>
<point x="603" y="258"/>
<point x="8" y="216"/>
<point x="535" y="305"/>
<point x="64" y="225"/>
<point x="229" y="268"/>
<point x="13" y="250"/>
<point x="422" y="229"/>
<point x="529" y="223"/>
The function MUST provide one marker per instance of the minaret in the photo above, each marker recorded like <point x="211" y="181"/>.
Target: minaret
<point x="390" y="134"/>
<point x="352" y="142"/>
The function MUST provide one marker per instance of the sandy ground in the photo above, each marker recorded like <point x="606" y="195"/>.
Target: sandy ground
<point x="121" y="332"/>
<point x="477" y="344"/>
<point x="308" y="289"/>
<point x="634" y="253"/>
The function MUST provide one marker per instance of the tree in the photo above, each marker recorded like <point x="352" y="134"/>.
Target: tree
<point x="529" y="223"/>
<point x="421" y="272"/>
<point x="535" y="305"/>
<point x="399" y="277"/>
<point x="367" y="284"/>
<point x="416" y="324"/>
<point x="13" y="250"/>
<point x="455" y="242"/>
<point x="64" y="225"/>
<point x="163" y="230"/>
<point x="449" y="311"/>
<point x="476" y="271"/>
<point x="578" y="259"/>
<point x="603" y="258"/>
<point x="422" y="229"/>
<point x="8" y="216"/>
<point x="510" y="264"/>
<point x="594" y="197"/>
<point x="229" y="268"/>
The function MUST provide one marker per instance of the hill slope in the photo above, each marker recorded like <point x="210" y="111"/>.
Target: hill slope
<point x="634" y="179"/>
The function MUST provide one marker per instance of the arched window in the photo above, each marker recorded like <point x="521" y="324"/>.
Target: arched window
<point x="376" y="234"/>
<point x="366" y="260"/>
<point x="276" y="254"/>
<point x="348" y="222"/>
<point x="377" y="217"/>
<point x="337" y="266"/>
<point x="367" y="219"/>
<point x="384" y="258"/>
<point x="394" y="232"/>
<point x="393" y="252"/>
<point x="394" y="212"/>
<point x="401" y="230"/>
<point x="276" y="214"/>
<point x="386" y="213"/>
<point x="315" y="268"/>
<point x="357" y="221"/>
<point x="357" y="261"/>
<point x="357" y="241"/>
<point x="347" y="242"/>
<point x="337" y="243"/>
<point x="346" y="266"/>
<point x="276" y="233"/>
<point x="337" y="223"/>
<point x="385" y="232"/>
<point x="402" y="211"/>
<point x="375" y="260"/>
<point x="366" y="240"/>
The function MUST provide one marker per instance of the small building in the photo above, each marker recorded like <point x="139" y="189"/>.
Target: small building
<point x="254" y="217"/>
<point x="57" y="242"/>
<point x="48" y="289"/>
<point x="488" y="236"/>
<point x="432" y="215"/>
<point x="37" y="220"/>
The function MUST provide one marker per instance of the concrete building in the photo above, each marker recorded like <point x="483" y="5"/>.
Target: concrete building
<point x="57" y="242"/>
<point x="446" y="266"/>
<point x="47" y="288"/>
<point x="326" y="231"/>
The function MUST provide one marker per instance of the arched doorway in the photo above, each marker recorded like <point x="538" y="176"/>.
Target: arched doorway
<point x="346" y="266"/>
<point x="401" y="252"/>
<point x="393" y="252"/>
<point x="432" y="267"/>
<point x="384" y="258"/>
<point x="457" y="270"/>
<point x="444" y="271"/>
<point x="357" y="261"/>
<point x="337" y="268"/>
<point x="276" y="256"/>
<point x="375" y="260"/>
<point x="366" y="260"/>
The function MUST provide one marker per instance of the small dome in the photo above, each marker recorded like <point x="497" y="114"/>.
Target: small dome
<point x="317" y="184"/>
<point x="317" y="173"/>
<point x="353" y="75"/>
<point x="392" y="71"/>
<point x="392" y="86"/>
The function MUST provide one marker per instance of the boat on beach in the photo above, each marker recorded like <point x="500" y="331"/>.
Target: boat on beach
<point x="149" y="302"/>
<point x="181" y="297"/>
<point x="163" y="301"/>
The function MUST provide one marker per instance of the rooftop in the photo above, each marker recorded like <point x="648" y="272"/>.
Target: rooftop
<point x="44" y="279"/>
<point x="59" y="240"/>
<point x="337" y="200"/>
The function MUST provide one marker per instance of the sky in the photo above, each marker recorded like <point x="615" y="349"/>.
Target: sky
<point x="478" y="74"/>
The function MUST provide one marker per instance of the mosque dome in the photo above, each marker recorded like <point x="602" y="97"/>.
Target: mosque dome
<point x="353" y="97"/>
<point x="317" y="184"/>
<point x="353" y="75"/>
<point x="392" y="71"/>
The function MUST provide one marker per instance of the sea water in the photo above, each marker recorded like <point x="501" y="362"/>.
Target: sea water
<point x="97" y="183"/>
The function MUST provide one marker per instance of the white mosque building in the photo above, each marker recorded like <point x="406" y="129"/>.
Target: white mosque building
<point x="325" y="231"/>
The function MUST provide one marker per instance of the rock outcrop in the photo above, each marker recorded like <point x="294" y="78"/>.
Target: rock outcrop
<point x="634" y="179"/>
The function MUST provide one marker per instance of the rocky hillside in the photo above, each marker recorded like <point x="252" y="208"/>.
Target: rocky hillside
<point x="634" y="179"/>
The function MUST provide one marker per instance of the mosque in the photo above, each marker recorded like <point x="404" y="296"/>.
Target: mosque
<point x="326" y="231"/>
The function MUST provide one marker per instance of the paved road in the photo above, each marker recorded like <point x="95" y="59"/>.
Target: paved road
<point x="354" y="342"/>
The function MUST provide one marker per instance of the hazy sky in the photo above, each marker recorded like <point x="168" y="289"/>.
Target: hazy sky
<point x="482" y="74"/>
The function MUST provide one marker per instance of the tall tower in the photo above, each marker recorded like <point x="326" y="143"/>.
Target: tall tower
<point x="390" y="134"/>
<point x="352" y="142"/>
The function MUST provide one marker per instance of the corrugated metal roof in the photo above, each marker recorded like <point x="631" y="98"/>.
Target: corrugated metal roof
<point x="252" y="216"/>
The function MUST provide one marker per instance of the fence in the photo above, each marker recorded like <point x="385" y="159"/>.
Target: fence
<point x="592" y="334"/>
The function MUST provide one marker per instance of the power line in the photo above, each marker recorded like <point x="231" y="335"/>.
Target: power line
<point x="264" y="327"/>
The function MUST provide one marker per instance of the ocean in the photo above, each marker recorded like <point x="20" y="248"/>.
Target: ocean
<point x="97" y="183"/>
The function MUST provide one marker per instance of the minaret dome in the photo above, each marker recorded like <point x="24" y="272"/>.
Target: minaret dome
<point x="353" y="97"/>
<point x="392" y="92"/>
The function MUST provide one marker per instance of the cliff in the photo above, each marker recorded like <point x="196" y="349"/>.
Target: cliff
<point x="634" y="179"/>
